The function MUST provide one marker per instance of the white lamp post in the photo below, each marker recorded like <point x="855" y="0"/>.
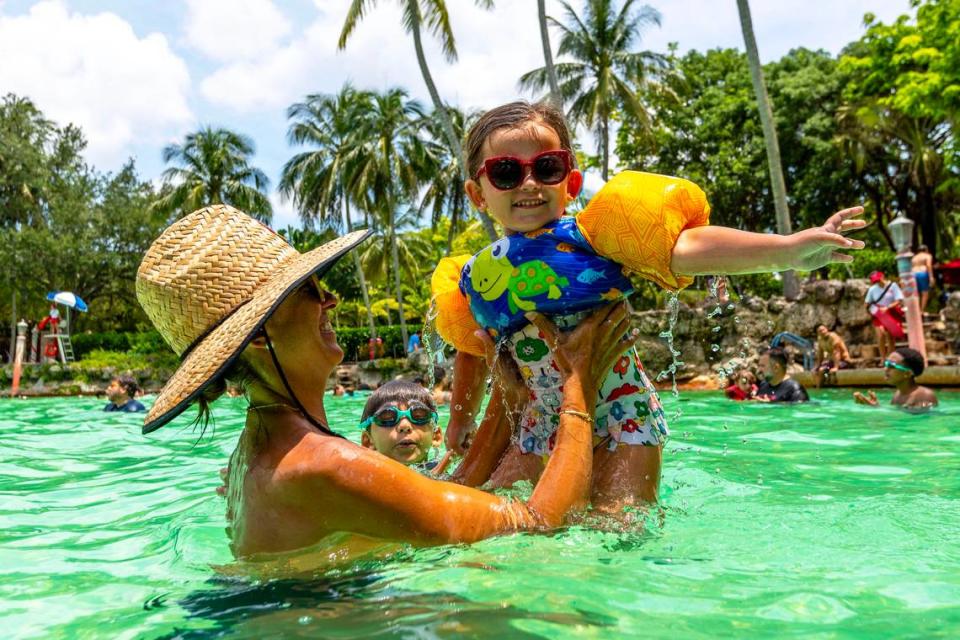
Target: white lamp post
<point x="902" y="231"/>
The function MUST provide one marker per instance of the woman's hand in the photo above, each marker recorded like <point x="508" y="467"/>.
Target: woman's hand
<point x="587" y="353"/>
<point x="870" y="399"/>
<point x="818" y="246"/>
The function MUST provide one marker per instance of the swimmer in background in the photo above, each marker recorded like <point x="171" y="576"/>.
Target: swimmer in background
<point x="400" y="421"/>
<point x="901" y="370"/>
<point x="122" y="395"/>
<point x="832" y="355"/>
<point x="777" y="385"/>
<point x="744" y="386"/>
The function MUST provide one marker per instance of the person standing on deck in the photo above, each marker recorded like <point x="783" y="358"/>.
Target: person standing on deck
<point x="922" y="267"/>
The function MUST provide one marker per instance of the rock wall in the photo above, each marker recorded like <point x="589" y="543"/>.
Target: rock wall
<point x="711" y="338"/>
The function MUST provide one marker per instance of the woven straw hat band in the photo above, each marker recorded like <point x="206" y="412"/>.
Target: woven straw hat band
<point x="203" y="267"/>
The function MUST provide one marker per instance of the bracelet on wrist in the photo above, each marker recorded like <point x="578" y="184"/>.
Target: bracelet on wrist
<point x="580" y="414"/>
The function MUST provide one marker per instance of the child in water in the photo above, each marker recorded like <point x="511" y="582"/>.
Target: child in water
<point x="522" y="172"/>
<point x="743" y="387"/>
<point x="400" y="421"/>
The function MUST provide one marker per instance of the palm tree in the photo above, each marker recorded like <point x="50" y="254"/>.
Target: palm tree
<point x="436" y="17"/>
<point x="444" y="193"/>
<point x="316" y="180"/>
<point x="605" y="75"/>
<point x="548" y="54"/>
<point x="777" y="183"/>
<point x="385" y="174"/>
<point x="214" y="168"/>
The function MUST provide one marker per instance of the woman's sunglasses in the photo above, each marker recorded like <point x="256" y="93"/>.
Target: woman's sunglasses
<point x="509" y="172"/>
<point x="899" y="367"/>
<point x="391" y="416"/>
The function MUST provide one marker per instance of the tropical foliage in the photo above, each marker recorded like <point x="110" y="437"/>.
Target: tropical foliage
<point x="213" y="169"/>
<point x="876" y="124"/>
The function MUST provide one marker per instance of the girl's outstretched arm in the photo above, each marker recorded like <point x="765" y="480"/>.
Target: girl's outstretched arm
<point x="714" y="249"/>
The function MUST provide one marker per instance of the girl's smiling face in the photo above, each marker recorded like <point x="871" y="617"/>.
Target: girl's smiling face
<point x="530" y="205"/>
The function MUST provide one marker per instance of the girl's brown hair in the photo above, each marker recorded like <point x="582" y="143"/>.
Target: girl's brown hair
<point x="511" y="115"/>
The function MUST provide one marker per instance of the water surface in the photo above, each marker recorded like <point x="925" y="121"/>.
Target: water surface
<point x="828" y="520"/>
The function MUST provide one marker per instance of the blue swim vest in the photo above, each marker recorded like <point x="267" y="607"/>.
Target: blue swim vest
<point x="552" y="270"/>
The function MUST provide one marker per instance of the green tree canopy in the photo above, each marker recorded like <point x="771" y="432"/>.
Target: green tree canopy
<point x="213" y="168"/>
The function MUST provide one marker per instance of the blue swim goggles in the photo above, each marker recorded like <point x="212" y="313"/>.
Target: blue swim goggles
<point x="390" y="417"/>
<point x="899" y="367"/>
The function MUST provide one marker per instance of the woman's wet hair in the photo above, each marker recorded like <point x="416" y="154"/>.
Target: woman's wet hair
<point x="912" y="359"/>
<point x="510" y="116"/>
<point x="240" y="375"/>
<point x="397" y="392"/>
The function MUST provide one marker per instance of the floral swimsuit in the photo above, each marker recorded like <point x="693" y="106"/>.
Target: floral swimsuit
<point x="628" y="409"/>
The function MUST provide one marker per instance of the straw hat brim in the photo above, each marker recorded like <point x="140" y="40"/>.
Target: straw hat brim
<point x="217" y="351"/>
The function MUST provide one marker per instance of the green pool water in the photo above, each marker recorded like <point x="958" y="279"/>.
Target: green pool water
<point x="827" y="520"/>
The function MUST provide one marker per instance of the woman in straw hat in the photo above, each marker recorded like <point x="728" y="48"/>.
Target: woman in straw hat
<point x="237" y="303"/>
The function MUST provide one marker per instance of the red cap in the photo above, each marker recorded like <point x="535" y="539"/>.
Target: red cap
<point x="876" y="276"/>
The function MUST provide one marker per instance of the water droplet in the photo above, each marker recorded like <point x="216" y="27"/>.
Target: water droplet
<point x="305" y="619"/>
<point x="716" y="329"/>
<point x="714" y="348"/>
<point x="459" y="407"/>
<point x="737" y="319"/>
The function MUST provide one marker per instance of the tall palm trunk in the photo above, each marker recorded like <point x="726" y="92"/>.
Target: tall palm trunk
<point x="395" y="260"/>
<point x="777" y="183"/>
<point x="605" y="144"/>
<point x="360" y="276"/>
<point x="455" y="147"/>
<point x="548" y="55"/>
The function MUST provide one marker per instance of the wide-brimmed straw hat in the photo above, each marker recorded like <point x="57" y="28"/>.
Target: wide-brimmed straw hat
<point x="208" y="284"/>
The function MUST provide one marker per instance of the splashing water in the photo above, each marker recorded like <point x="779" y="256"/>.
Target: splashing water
<point x="673" y="307"/>
<point x="432" y="342"/>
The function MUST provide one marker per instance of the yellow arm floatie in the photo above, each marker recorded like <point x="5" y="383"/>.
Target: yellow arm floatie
<point x="636" y="218"/>
<point x="454" y="322"/>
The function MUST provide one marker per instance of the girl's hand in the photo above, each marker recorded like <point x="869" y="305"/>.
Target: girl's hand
<point x="818" y="246"/>
<point x="587" y="353"/>
<point x="871" y="399"/>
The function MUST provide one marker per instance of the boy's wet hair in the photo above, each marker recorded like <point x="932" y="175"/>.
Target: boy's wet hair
<point x="129" y="385"/>
<point x="397" y="392"/>
<point x="778" y="355"/>
<point x="912" y="359"/>
<point x="509" y="116"/>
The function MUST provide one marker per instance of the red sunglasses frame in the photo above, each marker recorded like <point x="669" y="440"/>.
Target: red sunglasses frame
<point x="564" y="154"/>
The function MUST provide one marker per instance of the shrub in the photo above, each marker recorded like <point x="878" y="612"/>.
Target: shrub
<point x="142" y="342"/>
<point x="354" y="342"/>
<point x="865" y="262"/>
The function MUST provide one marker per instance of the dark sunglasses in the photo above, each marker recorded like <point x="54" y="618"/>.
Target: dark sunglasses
<point x="509" y="172"/>
<point x="391" y="416"/>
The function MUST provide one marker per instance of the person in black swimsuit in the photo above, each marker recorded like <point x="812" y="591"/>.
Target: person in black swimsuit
<point x="777" y="385"/>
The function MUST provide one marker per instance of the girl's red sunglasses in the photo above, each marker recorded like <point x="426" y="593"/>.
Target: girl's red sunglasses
<point x="509" y="172"/>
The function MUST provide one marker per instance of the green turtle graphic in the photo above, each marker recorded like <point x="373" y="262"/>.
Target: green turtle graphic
<point x="493" y="274"/>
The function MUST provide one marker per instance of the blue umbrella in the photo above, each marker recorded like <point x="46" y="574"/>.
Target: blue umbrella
<point x="67" y="298"/>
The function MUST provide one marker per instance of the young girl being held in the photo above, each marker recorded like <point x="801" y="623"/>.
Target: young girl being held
<point x="523" y="173"/>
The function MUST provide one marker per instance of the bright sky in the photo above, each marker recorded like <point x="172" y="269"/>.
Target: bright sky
<point x="139" y="74"/>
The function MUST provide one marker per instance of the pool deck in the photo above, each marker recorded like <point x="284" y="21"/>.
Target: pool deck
<point x="933" y="376"/>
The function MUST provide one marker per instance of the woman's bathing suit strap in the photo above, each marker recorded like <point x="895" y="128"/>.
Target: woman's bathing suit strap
<point x="283" y="378"/>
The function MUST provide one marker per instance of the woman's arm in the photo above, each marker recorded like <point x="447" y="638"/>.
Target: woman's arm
<point x="351" y="489"/>
<point x="712" y="249"/>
